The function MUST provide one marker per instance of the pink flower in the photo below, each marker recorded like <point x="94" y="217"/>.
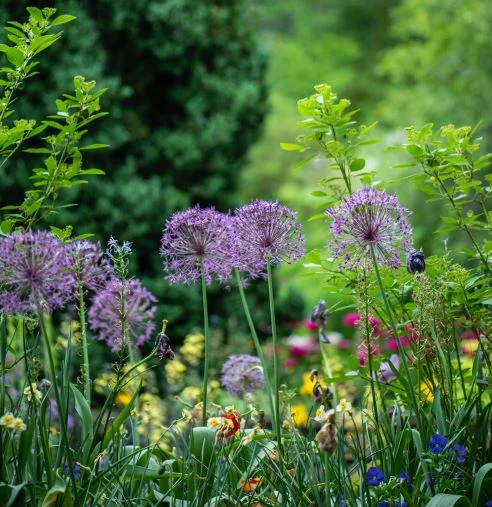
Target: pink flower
<point x="290" y="362"/>
<point x="309" y="324"/>
<point x="362" y="355"/>
<point x="392" y="345"/>
<point x="351" y="319"/>
<point x="343" y="345"/>
<point x="301" y="346"/>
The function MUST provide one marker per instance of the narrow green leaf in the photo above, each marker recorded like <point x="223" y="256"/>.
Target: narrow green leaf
<point x="84" y="411"/>
<point x="482" y="485"/>
<point x="61" y="20"/>
<point x="443" y="500"/>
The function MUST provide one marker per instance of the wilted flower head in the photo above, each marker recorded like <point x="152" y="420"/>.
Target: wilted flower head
<point x="416" y="262"/>
<point x="91" y="268"/>
<point x="123" y="305"/>
<point x="242" y="374"/>
<point x="266" y="231"/>
<point x="34" y="271"/>
<point x="368" y="220"/>
<point x="197" y="236"/>
<point x="320" y="314"/>
<point x="163" y="343"/>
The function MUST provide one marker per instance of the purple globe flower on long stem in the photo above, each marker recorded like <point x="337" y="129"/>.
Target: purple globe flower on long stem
<point x="91" y="267"/>
<point x="242" y="374"/>
<point x="122" y="313"/>
<point x="369" y="220"/>
<point x="196" y="239"/>
<point x="34" y="273"/>
<point x="266" y="232"/>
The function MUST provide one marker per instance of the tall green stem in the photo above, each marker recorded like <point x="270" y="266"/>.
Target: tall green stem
<point x="207" y="346"/>
<point x="59" y="404"/>
<point x="85" y="350"/>
<point x="259" y="350"/>
<point x="276" y="371"/>
<point x="396" y="336"/>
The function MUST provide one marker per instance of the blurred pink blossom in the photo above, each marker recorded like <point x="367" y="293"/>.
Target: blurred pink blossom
<point x="362" y="355"/>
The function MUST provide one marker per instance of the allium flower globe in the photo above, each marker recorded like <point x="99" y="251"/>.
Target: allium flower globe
<point x="266" y="231"/>
<point x="34" y="271"/>
<point x="368" y="220"/>
<point x="108" y="316"/>
<point x="197" y="236"/>
<point x="242" y="374"/>
<point x="91" y="268"/>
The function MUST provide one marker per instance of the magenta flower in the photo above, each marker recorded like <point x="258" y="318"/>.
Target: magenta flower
<point x="368" y="220"/>
<point x="266" y="231"/>
<point x="34" y="272"/>
<point x="91" y="268"/>
<point x="197" y="236"/>
<point x="121" y="312"/>
<point x="242" y="374"/>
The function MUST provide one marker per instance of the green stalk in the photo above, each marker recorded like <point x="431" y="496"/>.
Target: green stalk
<point x="397" y="338"/>
<point x="207" y="346"/>
<point x="85" y="349"/>
<point x="59" y="404"/>
<point x="276" y="372"/>
<point x="256" y="341"/>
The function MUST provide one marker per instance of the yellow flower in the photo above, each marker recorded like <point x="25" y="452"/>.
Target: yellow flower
<point x="344" y="406"/>
<point x="191" y="393"/>
<point x="7" y="420"/>
<point x="193" y="348"/>
<point x="175" y="371"/>
<point x="299" y="414"/>
<point x="31" y="391"/>
<point x="426" y="391"/>
<point x="19" y="424"/>
<point x="307" y="385"/>
<point x="123" y="398"/>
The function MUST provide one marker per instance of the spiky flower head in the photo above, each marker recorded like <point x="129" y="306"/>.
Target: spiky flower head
<point x="122" y="312"/>
<point x="34" y="272"/>
<point x="90" y="266"/>
<point x="368" y="220"/>
<point x="196" y="237"/>
<point x="242" y="374"/>
<point x="266" y="232"/>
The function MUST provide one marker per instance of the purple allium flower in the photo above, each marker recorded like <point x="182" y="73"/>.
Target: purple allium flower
<point x="123" y="304"/>
<point x="242" y="374"/>
<point x="369" y="219"/>
<point x="266" y="231"/>
<point x="374" y="476"/>
<point x="437" y="443"/>
<point x="34" y="270"/>
<point x="194" y="236"/>
<point x="458" y="453"/>
<point x="91" y="268"/>
<point x="385" y="373"/>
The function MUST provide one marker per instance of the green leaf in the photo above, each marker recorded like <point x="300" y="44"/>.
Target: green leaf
<point x="96" y="146"/>
<point x="61" y="20"/>
<point x="9" y="494"/>
<point x="482" y="485"/>
<point x="58" y="490"/>
<point x="319" y="193"/>
<point x="35" y="13"/>
<point x="305" y="161"/>
<point x="84" y="411"/>
<point x="293" y="147"/>
<point x="92" y="171"/>
<point x="443" y="500"/>
<point x="357" y="164"/>
<point x="13" y="55"/>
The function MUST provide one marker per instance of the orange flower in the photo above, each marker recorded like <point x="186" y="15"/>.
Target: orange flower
<point x="251" y="484"/>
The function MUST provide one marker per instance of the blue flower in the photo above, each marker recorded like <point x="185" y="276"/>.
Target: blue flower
<point x="76" y="471"/>
<point x="458" y="453"/>
<point x="374" y="476"/>
<point x="383" y="504"/>
<point x="406" y="479"/>
<point x="402" y="504"/>
<point x="437" y="443"/>
<point x="488" y="503"/>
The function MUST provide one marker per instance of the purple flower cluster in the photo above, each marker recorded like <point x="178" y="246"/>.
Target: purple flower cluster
<point x="203" y="238"/>
<point x="242" y="374"/>
<point x="266" y="232"/>
<point x="91" y="267"/>
<point x="34" y="272"/>
<point x="122" y="312"/>
<point x="194" y="238"/>
<point x="368" y="220"/>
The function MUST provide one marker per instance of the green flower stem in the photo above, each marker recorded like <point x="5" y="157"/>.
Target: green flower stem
<point x="59" y="404"/>
<point x="327" y="367"/>
<point x="401" y="350"/>
<point x="85" y="351"/>
<point x="276" y="372"/>
<point x="256" y="341"/>
<point x="207" y="346"/>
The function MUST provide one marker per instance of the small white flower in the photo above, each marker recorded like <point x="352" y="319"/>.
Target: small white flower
<point x="7" y="420"/>
<point x="344" y="406"/>
<point x="31" y="391"/>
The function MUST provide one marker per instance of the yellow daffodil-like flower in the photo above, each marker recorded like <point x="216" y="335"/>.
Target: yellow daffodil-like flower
<point x="31" y="391"/>
<point x="123" y="398"/>
<point x="426" y="391"/>
<point x="344" y="406"/>
<point x="286" y="425"/>
<point x="307" y="385"/>
<point x="19" y="425"/>
<point x="214" y="423"/>
<point x="193" y="348"/>
<point x="299" y="414"/>
<point x="323" y="415"/>
<point x="247" y="439"/>
<point x="175" y="371"/>
<point x="7" y="421"/>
